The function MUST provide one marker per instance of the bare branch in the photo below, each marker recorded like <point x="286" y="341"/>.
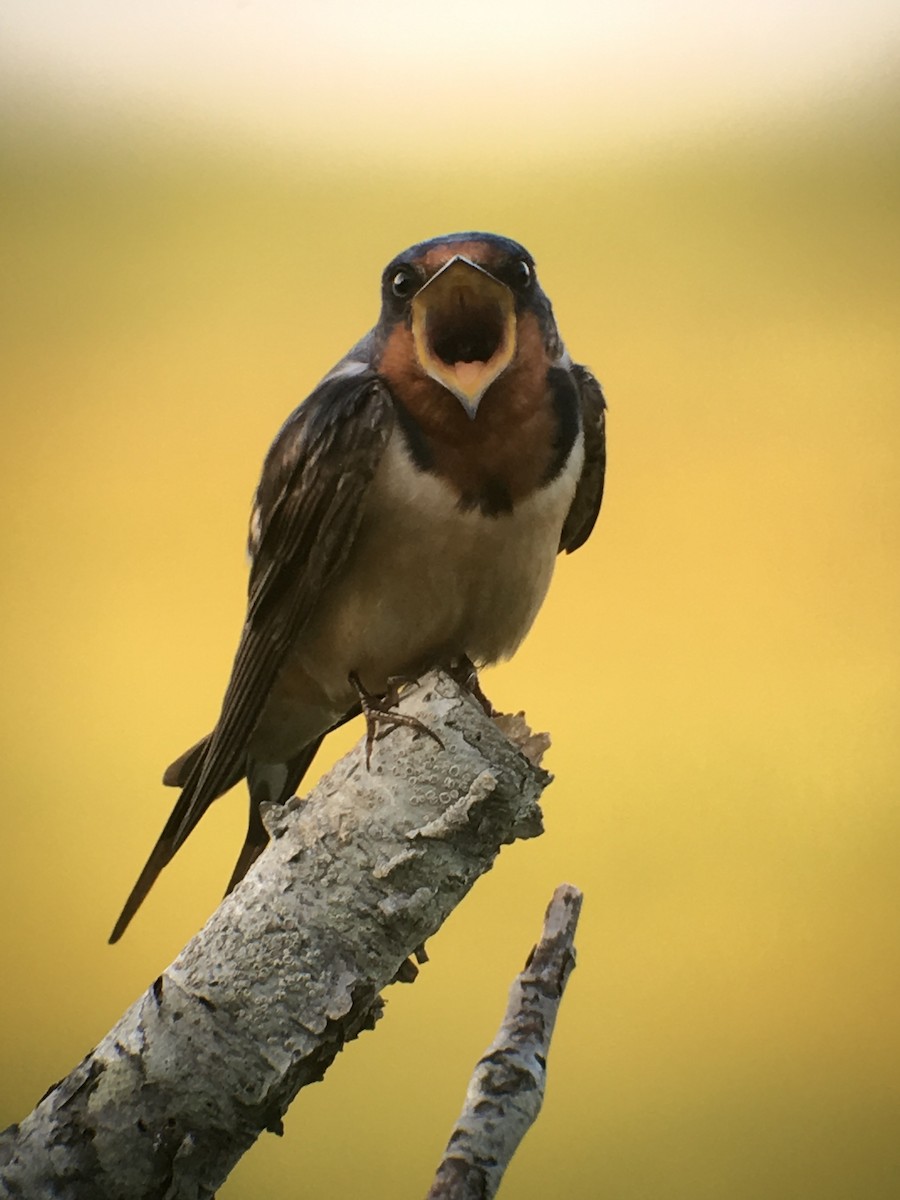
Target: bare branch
<point x="507" y="1086"/>
<point x="288" y="968"/>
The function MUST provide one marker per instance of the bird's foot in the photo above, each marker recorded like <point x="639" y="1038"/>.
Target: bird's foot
<point x="382" y="710"/>
<point x="463" y="671"/>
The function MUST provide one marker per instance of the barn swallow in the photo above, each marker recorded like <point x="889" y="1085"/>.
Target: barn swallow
<point x="408" y="517"/>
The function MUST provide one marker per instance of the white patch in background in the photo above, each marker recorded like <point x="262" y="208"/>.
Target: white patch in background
<point x="571" y="71"/>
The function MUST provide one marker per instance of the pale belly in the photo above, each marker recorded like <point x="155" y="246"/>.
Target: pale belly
<point x="426" y="582"/>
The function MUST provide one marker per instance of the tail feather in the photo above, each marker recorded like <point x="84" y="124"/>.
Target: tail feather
<point x="177" y="773"/>
<point x="254" y="843"/>
<point x="257" y="836"/>
<point x="187" y="772"/>
<point x="161" y="854"/>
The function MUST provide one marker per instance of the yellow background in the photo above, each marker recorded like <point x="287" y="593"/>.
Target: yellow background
<point x="718" y="667"/>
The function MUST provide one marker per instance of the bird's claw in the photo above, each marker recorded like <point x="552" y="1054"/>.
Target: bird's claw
<point x="381" y="710"/>
<point x="463" y="671"/>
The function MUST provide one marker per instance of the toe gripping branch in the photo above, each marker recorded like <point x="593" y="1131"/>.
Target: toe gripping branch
<point x="382" y="711"/>
<point x="464" y="672"/>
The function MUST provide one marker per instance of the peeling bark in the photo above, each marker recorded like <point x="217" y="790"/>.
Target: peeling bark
<point x="289" y="968"/>
<point x="507" y="1086"/>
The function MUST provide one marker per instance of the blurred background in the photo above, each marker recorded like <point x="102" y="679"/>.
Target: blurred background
<point x="197" y="203"/>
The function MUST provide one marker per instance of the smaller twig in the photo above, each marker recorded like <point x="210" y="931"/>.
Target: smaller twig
<point x="507" y="1086"/>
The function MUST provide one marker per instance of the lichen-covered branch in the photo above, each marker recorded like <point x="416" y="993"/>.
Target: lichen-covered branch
<point x="507" y="1086"/>
<point x="288" y="969"/>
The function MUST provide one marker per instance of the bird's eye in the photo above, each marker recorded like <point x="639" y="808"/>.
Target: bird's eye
<point x="522" y="274"/>
<point x="403" y="284"/>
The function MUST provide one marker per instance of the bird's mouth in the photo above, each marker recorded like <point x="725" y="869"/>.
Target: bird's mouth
<point x="464" y="329"/>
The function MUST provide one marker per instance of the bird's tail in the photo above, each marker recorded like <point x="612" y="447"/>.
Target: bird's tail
<point x="168" y="840"/>
<point x="185" y="772"/>
<point x="261" y="790"/>
<point x="178" y="772"/>
<point x="257" y="836"/>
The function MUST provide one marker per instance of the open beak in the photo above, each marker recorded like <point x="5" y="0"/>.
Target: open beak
<point x="464" y="330"/>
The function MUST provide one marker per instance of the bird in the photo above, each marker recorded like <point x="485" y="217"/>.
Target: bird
<point x="408" y="517"/>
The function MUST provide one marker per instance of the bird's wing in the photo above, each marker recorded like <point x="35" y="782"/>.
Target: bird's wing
<point x="307" y="512"/>
<point x="589" y="493"/>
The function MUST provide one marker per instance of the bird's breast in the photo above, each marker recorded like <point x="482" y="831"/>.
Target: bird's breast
<point x="429" y="579"/>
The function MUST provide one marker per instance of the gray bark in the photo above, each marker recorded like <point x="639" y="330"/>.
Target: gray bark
<point x="507" y="1086"/>
<point x="290" y="966"/>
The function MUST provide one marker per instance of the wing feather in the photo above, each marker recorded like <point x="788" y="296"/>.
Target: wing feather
<point x="309" y="509"/>
<point x="307" y="512"/>
<point x="589" y="493"/>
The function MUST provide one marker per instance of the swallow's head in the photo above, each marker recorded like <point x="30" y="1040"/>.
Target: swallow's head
<point x="464" y="298"/>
